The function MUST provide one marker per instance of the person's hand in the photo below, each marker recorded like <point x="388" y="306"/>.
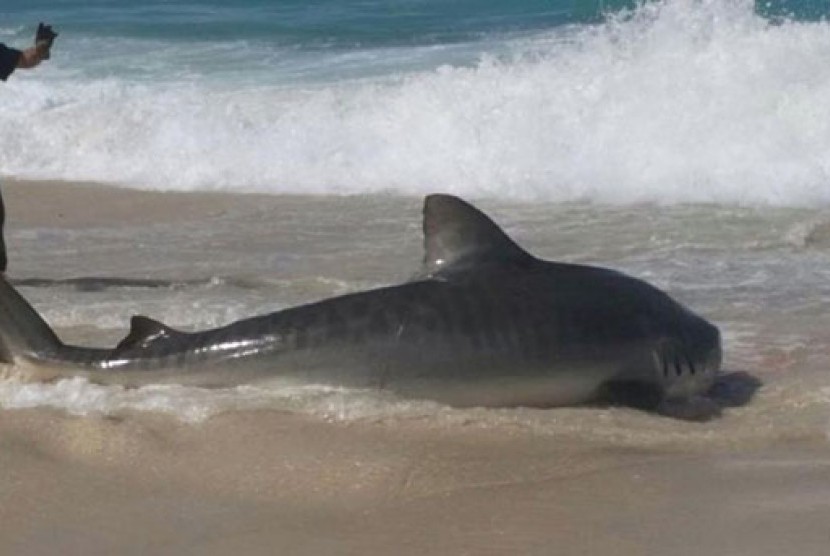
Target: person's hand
<point x="44" y="38"/>
<point x="45" y="34"/>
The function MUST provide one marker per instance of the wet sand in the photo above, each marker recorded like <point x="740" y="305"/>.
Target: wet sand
<point x="78" y="205"/>
<point x="272" y="482"/>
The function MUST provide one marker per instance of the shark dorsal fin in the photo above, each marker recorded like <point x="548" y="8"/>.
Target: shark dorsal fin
<point x="456" y="234"/>
<point x="144" y="331"/>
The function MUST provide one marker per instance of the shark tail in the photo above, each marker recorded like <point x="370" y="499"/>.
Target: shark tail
<point x="22" y="330"/>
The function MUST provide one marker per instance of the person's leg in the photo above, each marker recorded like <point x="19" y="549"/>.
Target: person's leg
<point x="3" y="259"/>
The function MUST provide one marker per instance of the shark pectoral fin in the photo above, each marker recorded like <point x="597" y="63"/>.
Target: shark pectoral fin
<point x="144" y="331"/>
<point x="692" y="408"/>
<point x="649" y="397"/>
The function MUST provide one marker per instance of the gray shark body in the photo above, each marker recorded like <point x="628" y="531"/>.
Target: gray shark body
<point x="484" y="323"/>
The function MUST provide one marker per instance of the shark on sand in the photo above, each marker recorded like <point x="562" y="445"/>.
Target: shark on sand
<point x="483" y="323"/>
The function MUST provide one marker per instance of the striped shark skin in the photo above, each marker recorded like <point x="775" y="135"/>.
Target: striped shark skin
<point x="484" y="323"/>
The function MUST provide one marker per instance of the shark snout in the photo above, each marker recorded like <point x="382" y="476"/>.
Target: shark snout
<point x="689" y="362"/>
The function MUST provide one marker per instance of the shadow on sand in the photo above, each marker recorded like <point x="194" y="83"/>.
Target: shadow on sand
<point x="731" y="389"/>
<point x="734" y="389"/>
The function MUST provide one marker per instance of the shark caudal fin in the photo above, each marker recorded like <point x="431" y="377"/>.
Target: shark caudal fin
<point x="22" y="330"/>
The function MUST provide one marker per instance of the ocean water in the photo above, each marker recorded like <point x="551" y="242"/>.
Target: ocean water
<point x="673" y="102"/>
<point x="685" y="142"/>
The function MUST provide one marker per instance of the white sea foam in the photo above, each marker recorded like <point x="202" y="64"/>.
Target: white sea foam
<point x="768" y="420"/>
<point x="686" y="101"/>
<point x="77" y="396"/>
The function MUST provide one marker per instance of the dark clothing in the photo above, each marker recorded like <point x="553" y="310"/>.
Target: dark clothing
<point x="9" y="57"/>
<point x="3" y="260"/>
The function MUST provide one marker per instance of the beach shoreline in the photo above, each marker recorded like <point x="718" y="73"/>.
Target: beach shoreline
<point x="43" y="203"/>
<point x="264" y="481"/>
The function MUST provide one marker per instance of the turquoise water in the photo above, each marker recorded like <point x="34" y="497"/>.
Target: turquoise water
<point x="673" y="101"/>
<point x="337" y="23"/>
<point x="216" y="37"/>
<point x="313" y="24"/>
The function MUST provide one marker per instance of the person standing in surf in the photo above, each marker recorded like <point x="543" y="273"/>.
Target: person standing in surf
<point x="10" y="60"/>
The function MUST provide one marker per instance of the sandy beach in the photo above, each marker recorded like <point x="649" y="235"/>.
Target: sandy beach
<point x="270" y="481"/>
<point x="266" y="483"/>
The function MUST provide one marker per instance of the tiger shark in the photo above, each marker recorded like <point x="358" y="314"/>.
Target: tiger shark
<point x="483" y="323"/>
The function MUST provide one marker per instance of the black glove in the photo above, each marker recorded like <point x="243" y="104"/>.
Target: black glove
<point x="45" y="34"/>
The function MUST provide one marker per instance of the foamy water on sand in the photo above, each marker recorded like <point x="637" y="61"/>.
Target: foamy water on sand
<point x="310" y="469"/>
<point x="757" y="273"/>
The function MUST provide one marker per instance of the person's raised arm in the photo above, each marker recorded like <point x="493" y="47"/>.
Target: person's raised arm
<point x="34" y="55"/>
